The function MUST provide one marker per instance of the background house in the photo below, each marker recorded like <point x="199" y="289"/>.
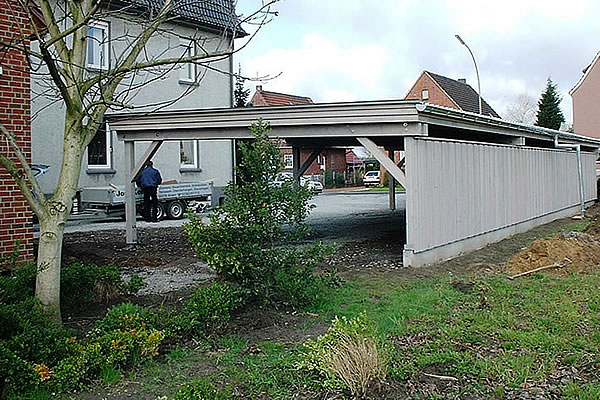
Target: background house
<point x="586" y="101"/>
<point x="442" y="91"/>
<point x="15" y="214"/>
<point x="330" y="160"/>
<point x="191" y="31"/>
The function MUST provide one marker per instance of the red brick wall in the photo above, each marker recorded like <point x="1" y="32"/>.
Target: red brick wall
<point x="335" y="160"/>
<point x="15" y="215"/>
<point x="436" y="94"/>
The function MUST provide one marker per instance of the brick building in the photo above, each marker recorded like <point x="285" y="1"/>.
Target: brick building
<point x="15" y="215"/>
<point x="333" y="160"/>
<point x="442" y="91"/>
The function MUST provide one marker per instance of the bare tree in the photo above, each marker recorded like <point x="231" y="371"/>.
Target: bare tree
<point x="59" y="53"/>
<point x="523" y="110"/>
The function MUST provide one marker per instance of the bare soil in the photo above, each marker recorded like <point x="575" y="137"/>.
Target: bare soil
<point x="165" y="252"/>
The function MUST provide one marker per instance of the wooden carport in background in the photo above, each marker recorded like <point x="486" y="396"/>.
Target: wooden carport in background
<point x="461" y="141"/>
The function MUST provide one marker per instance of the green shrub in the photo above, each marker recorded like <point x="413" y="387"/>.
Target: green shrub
<point x="208" y="309"/>
<point x="83" y="284"/>
<point x="201" y="390"/>
<point x="80" y="284"/>
<point x="18" y="283"/>
<point x="348" y="355"/>
<point x="126" y="316"/>
<point x="249" y="239"/>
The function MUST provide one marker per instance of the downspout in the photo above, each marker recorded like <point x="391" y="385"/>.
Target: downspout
<point x="577" y="148"/>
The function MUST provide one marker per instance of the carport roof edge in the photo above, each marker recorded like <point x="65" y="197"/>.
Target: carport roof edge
<point x="233" y="123"/>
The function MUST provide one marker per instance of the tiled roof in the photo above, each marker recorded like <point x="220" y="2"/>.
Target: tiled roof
<point x="279" y="99"/>
<point x="216" y="15"/>
<point x="463" y="94"/>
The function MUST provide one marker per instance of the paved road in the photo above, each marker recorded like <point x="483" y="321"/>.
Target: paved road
<point x="338" y="216"/>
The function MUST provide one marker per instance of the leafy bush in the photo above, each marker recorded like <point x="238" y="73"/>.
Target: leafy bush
<point x="31" y="343"/>
<point x="349" y="354"/>
<point x="83" y="284"/>
<point x="208" y="309"/>
<point x="80" y="284"/>
<point x="17" y="283"/>
<point x="248" y="238"/>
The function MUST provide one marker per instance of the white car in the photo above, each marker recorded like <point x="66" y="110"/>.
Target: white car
<point x="372" y="178"/>
<point x="304" y="181"/>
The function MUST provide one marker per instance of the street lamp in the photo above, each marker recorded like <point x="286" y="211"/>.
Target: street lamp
<point x="476" y="69"/>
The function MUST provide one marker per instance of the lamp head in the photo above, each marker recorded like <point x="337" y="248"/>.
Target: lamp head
<point x="460" y="40"/>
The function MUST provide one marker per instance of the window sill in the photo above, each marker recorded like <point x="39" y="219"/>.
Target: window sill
<point x="96" y="68"/>
<point x="182" y="170"/>
<point x="96" y="171"/>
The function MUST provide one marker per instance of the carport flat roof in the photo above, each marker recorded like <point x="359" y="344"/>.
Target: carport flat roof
<point x="337" y="123"/>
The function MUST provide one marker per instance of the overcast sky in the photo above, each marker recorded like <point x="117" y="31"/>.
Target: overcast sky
<point x="346" y="50"/>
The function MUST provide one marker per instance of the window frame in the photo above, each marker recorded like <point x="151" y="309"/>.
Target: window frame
<point x="107" y="149"/>
<point x="195" y="164"/>
<point x="105" y="52"/>
<point x="425" y="94"/>
<point x="286" y="158"/>
<point x="187" y="71"/>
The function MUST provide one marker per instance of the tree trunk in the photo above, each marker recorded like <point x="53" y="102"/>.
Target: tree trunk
<point x="52" y="222"/>
<point x="47" y="285"/>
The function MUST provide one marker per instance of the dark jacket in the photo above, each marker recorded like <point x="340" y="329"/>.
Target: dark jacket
<point x="149" y="177"/>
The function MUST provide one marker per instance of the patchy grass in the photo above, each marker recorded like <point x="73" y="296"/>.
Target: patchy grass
<point x="399" y="188"/>
<point x="491" y="333"/>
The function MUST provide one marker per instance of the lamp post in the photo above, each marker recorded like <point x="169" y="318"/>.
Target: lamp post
<point x="476" y="69"/>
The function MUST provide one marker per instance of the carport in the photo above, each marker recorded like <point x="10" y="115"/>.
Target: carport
<point x="470" y="179"/>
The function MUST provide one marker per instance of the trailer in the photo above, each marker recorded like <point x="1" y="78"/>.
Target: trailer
<point x="173" y="199"/>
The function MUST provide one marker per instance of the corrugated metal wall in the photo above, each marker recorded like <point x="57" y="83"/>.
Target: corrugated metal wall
<point x="458" y="190"/>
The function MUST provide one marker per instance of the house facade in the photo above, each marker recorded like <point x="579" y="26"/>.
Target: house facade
<point x="330" y="160"/>
<point x="188" y="86"/>
<point x="15" y="214"/>
<point x="452" y="93"/>
<point x="586" y="101"/>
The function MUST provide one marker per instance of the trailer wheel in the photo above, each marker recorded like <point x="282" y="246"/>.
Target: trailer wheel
<point x="175" y="209"/>
<point x="160" y="212"/>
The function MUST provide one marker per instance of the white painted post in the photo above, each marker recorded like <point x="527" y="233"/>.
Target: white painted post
<point x="392" y="184"/>
<point x="130" y="211"/>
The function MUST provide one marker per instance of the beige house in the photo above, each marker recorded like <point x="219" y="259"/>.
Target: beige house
<point x="586" y="101"/>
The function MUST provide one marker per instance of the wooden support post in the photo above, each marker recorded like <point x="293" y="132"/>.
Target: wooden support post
<point x="296" y="163"/>
<point x="307" y="163"/>
<point x="392" y="184"/>
<point x="383" y="159"/>
<point x="130" y="211"/>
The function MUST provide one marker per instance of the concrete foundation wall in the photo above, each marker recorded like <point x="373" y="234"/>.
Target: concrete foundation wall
<point x="462" y="196"/>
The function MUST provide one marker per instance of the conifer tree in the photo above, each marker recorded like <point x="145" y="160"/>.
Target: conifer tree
<point x="240" y="94"/>
<point x="549" y="114"/>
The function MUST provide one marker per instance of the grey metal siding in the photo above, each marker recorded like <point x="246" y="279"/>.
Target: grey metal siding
<point x="458" y="190"/>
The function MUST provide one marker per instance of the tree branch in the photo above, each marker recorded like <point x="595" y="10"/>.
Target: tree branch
<point x="20" y="178"/>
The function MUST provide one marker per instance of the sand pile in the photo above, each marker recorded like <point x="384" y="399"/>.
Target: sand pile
<point x="577" y="251"/>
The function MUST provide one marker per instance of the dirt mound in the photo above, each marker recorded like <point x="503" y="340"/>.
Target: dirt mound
<point x="578" y="252"/>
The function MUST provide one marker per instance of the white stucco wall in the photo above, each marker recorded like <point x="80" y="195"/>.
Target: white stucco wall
<point x="213" y="90"/>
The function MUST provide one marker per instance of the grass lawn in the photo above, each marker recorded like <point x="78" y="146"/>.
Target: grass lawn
<point x="491" y="333"/>
<point x="489" y="336"/>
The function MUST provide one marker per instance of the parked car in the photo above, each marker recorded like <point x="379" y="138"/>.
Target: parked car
<point x="372" y="178"/>
<point x="283" y="177"/>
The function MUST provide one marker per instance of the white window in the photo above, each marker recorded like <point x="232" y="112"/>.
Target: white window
<point x="187" y="71"/>
<point x="97" y="45"/>
<point x="188" y="154"/>
<point x="99" y="149"/>
<point x="425" y="94"/>
<point x="288" y="161"/>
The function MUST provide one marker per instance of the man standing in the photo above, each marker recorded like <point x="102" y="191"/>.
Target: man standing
<point x="149" y="180"/>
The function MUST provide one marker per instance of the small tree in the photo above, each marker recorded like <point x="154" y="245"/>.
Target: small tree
<point x="240" y="94"/>
<point x="61" y="36"/>
<point x="250" y="238"/>
<point x="549" y="114"/>
<point x="523" y="110"/>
